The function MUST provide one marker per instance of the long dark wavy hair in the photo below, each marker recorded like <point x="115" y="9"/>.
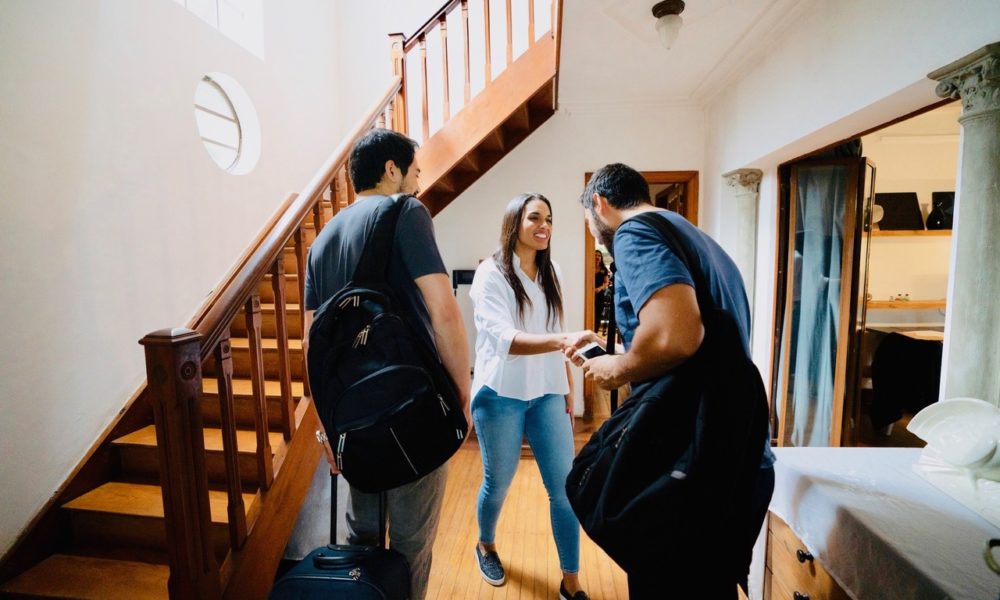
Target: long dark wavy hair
<point x="504" y="259"/>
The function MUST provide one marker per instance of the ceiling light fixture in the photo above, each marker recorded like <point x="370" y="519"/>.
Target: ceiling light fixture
<point x="668" y="20"/>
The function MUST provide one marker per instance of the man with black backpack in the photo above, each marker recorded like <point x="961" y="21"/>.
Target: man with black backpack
<point x="383" y="164"/>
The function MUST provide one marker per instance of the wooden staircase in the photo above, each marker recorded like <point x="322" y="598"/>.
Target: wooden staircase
<point x="471" y="143"/>
<point x="194" y="490"/>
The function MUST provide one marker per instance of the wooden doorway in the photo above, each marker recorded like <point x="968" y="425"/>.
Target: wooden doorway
<point x="672" y="190"/>
<point x="824" y="393"/>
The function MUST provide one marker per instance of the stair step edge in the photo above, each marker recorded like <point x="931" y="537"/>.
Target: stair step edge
<point x="144" y="501"/>
<point x="69" y="576"/>
<point x="246" y="440"/>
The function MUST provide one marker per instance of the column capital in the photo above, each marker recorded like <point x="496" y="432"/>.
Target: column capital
<point x="747" y="179"/>
<point x="974" y="78"/>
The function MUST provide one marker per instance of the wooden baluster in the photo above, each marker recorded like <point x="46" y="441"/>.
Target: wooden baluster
<point x="423" y="79"/>
<point x="334" y="192"/>
<point x="486" y="21"/>
<point x="284" y="363"/>
<point x="531" y="23"/>
<point x="391" y="116"/>
<point x="173" y="373"/>
<point x="380" y="121"/>
<point x="230" y="451"/>
<point x="397" y="42"/>
<point x="510" y="35"/>
<point x="443" y="26"/>
<point x="300" y="265"/>
<point x="318" y="217"/>
<point x="465" y="48"/>
<point x="347" y="182"/>
<point x="265" y="464"/>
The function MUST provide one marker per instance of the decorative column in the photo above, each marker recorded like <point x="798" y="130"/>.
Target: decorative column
<point x="972" y="342"/>
<point x="740" y="223"/>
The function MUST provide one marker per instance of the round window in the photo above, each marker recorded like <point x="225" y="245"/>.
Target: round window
<point x="227" y="123"/>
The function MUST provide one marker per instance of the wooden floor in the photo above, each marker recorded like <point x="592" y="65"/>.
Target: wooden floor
<point x="524" y="540"/>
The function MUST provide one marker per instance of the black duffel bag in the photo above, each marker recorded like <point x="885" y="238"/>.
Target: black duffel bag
<point x="676" y="464"/>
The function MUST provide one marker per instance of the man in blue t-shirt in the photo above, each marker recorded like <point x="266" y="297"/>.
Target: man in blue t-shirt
<point x="657" y="311"/>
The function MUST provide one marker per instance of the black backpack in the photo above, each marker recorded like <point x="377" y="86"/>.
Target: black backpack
<point x="387" y="403"/>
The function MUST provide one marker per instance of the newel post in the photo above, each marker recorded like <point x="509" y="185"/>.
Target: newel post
<point x="397" y="52"/>
<point x="173" y="372"/>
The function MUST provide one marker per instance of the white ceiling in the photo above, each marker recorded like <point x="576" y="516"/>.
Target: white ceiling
<point x="611" y="53"/>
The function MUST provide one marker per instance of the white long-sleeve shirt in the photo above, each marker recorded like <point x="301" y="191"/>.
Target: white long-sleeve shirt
<point x="523" y="377"/>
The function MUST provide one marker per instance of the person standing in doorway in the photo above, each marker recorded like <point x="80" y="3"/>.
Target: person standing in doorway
<point x="522" y="386"/>
<point x="602" y="279"/>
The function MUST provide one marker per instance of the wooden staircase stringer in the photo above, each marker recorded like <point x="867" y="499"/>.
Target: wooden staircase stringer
<point x="490" y="126"/>
<point x="249" y="572"/>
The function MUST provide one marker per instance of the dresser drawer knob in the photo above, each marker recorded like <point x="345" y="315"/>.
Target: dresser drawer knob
<point x="803" y="556"/>
<point x="798" y="596"/>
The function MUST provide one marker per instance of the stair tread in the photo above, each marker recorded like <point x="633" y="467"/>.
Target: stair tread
<point x="246" y="440"/>
<point x="244" y="387"/>
<point x="266" y="343"/>
<point x="141" y="500"/>
<point x="67" y="576"/>
<point x="269" y="307"/>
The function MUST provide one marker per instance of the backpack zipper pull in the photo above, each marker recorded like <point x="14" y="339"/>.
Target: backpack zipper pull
<point x="621" y="436"/>
<point x="362" y="338"/>
<point x="444" y="406"/>
<point x="349" y="301"/>
<point x="340" y="451"/>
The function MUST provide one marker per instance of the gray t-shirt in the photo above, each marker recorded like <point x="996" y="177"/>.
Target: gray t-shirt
<point x="336" y="252"/>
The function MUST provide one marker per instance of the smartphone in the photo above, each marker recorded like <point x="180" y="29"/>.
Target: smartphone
<point x="591" y="350"/>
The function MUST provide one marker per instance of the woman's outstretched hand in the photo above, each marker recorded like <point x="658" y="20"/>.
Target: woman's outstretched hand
<point x="575" y="340"/>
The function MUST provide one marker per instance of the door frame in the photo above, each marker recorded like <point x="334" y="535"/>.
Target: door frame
<point x="691" y="209"/>
<point x="781" y="274"/>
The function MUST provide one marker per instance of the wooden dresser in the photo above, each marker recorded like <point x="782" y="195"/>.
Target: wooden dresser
<point x="791" y="572"/>
<point x="861" y="523"/>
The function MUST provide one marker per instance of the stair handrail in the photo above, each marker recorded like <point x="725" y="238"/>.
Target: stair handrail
<point x="426" y="28"/>
<point x="223" y="305"/>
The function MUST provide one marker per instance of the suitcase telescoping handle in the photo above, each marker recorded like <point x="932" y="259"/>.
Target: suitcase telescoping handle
<point x="333" y="514"/>
<point x="322" y="561"/>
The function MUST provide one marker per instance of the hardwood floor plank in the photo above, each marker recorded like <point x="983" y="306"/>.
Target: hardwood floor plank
<point x="524" y="538"/>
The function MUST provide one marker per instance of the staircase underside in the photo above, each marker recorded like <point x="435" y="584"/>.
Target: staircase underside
<point x="517" y="102"/>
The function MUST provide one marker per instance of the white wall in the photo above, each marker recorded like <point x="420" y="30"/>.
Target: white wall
<point x="837" y="68"/>
<point x="114" y="221"/>
<point x="553" y="161"/>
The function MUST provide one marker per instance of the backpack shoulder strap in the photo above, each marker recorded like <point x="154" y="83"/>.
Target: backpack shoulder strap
<point x="668" y="232"/>
<point x="373" y="266"/>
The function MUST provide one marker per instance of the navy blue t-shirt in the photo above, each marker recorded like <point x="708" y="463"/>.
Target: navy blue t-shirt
<point x="646" y="265"/>
<point x="334" y="255"/>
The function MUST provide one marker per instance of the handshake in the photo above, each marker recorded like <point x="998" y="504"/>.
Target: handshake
<point x="581" y="346"/>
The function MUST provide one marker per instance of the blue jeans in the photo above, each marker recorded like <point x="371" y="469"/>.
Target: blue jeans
<point x="500" y="424"/>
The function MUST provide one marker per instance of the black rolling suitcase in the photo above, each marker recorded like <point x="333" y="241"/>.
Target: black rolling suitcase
<point x="333" y="572"/>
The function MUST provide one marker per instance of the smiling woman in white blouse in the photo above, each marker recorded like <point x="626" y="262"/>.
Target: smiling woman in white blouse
<point x="521" y="386"/>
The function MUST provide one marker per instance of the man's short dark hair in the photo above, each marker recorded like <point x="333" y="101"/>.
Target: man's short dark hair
<point x="623" y="186"/>
<point x="372" y="150"/>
